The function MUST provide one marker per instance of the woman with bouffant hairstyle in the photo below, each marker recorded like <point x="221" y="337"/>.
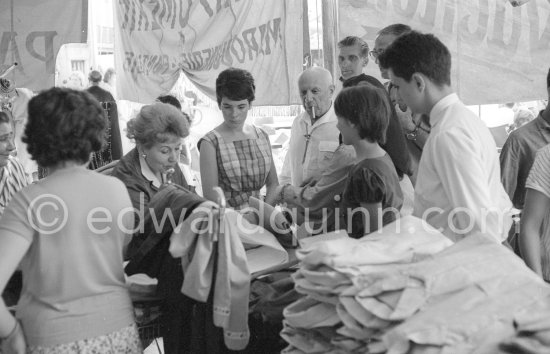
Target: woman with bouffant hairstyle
<point x="158" y="131"/>
<point x="74" y="295"/>
<point x="372" y="188"/>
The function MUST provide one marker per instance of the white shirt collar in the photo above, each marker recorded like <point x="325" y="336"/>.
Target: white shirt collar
<point x="440" y="106"/>
<point x="148" y="173"/>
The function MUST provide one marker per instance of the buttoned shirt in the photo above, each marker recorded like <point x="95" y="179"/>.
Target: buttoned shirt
<point x="12" y="179"/>
<point x="518" y="154"/>
<point x="458" y="189"/>
<point x="539" y="180"/>
<point x="311" y="147"/>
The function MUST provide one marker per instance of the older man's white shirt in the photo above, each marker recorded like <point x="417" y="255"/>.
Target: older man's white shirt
<point x="300" y="164"/>
<point x="458" y="187"/>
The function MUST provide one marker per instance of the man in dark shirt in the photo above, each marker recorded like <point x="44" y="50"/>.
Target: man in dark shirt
<point x="113" y="149"/>
<point x="519" y="150"/>
<point x="352" y="57"/>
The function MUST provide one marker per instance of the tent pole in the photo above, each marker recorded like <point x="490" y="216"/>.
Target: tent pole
<point x="330" y="35"/>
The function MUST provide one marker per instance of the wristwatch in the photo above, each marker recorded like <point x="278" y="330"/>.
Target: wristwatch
<point x="412" y="134"/>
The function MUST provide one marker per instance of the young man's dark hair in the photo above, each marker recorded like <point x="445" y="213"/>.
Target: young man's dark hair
<point x="415" y="52"/>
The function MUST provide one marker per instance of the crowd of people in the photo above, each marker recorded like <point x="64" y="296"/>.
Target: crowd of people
<point x="360" y="152"/>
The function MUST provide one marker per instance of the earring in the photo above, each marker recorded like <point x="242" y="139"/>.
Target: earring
<point x="144" y="156"/>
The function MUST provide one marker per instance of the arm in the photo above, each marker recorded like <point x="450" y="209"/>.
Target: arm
<point x="372" y="210"/>
<point x="465" y="181"/>
<point x="331" y="183"/>
<point x="129" y="221"/>
<point x="422" y="133"/>
<point x="536" y="208"/>
<point x="412" y="126"/>
<point x="12" y="250"/>
<point x="271" y="184"/>
<point x="509" y="167"/>
<point x="209" y="170"/>
<point x="286" y="175"/>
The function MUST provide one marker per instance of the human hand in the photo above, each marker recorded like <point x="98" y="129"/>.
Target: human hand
<point x="311" y="181"/>
<point x="405" y="118"/>
<point x="275" y="197"/>
<point x="15" y="342"/>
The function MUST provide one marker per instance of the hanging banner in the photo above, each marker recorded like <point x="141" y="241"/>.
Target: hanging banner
<point x="500" y="52"/>
<point x="31" y="33"/>
<point x="157" y="39"/>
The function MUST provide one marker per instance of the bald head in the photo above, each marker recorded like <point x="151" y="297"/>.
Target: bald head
<point x="318" y="73"/>
<point x="316" y="89"/>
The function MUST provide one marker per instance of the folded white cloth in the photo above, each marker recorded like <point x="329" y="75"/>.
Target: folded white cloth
<point x="310" y="313"/>
<point x="193" y="241"/>
<point x="467" y="300"/>
<point x="269" y="252"/>
<point x="406" y="240"/>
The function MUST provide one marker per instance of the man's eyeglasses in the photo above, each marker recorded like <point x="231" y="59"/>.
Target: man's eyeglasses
<point x="376" y="53"/>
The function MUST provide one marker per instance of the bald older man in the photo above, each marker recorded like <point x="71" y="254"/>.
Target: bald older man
<point x="313" y="136"/>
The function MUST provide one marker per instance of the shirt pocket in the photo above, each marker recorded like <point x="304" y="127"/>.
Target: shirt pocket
<point x="326" y="152"/>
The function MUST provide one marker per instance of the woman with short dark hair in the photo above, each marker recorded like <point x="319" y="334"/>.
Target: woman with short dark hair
<point x="372" y="191"/>
<point x="236" y="155"/>
<point x="68" y="233"/>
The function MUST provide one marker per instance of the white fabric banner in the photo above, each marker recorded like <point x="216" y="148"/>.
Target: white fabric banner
<point x="31" y="33"/>
<point x="157" y="39"/>
<point x="500" y="53"/>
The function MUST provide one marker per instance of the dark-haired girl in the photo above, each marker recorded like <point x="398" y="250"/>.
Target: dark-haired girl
<point x="372" y="197"/>
<point x="236" y="155"/>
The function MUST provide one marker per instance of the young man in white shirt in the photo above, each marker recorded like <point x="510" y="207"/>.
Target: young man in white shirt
<point x="458" y="188"/>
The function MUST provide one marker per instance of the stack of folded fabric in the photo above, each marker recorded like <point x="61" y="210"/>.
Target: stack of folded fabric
<point x="330" y="318"/>
<point x="407" y="294"/>
<point x="532" y="330"/>
<point x="463" y="300"/>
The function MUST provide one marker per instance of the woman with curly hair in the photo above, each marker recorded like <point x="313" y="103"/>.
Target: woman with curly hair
<point x="68" y="232"/>
<point x="158" y="131"/>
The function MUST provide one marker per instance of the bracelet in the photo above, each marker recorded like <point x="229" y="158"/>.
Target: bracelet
<point x="12" y="333"/>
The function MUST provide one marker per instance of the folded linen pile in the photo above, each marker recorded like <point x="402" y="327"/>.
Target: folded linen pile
<point x="532" y="330"/>
<point x="463" y="300"/>
<point x="330" y="318"/>
<point x="397" y="298"/>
